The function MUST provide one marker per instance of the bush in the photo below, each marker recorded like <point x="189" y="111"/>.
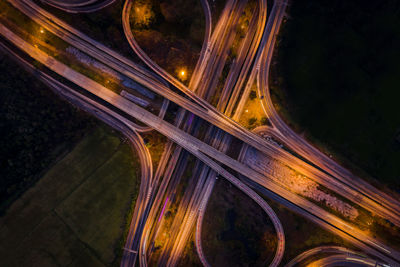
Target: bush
<point x="253" y="95"/>
<point x="265" y="121"/>
<point x="252" y="121"/>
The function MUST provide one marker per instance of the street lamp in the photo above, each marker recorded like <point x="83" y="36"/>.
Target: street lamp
<point x="182" y="74"/>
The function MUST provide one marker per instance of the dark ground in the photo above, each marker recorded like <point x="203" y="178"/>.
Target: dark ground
<point x="36" y="127"/>
<point x="336" y="79"/>
<point x="236" y="231"/>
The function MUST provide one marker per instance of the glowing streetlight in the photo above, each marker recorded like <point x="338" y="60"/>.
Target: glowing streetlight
<point x="182" y="74"/>
<point x="246" y="110"/>
<point x="41" y="31"/>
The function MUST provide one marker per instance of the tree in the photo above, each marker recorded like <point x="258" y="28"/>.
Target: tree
<point x="252" y="121"/>
<point x="265" y="121"/>
<point x="253" y="95"/>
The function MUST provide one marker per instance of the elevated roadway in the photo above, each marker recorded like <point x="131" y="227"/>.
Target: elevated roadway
<point x="79" y="6"/>
<point x="346" y="261"/>
<point x="203" y="151"/>
<point x="317" y="251"/>
<point x="190" y="145"/>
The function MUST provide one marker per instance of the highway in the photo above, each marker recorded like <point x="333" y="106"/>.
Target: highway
<point x="155" y="85"/>
<point x="195" y="200"/>
<point x="188" y="126"/>
<point x="182" y="240"/>
<point x="190" y="143"/>
<point x="166" y="153"/>
<point x="345" y="261"/>
<point x="266" y="207"/>
<point x="82" y="6"/>
<point x="314" y="252"/>
<point x="342" y="257"/>
<point x="190" y="202"/>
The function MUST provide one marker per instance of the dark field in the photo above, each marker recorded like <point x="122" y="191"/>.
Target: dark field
<point x="36" y="127"/>
<point x="236" y="231"/>
<point x="336" y="79"/>
<point x="78" y="213"/>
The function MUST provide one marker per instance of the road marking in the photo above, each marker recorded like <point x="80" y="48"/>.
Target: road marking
<point x="130" y="250"/>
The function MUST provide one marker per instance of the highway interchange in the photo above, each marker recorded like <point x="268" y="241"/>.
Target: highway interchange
<point x="253" y="62"/>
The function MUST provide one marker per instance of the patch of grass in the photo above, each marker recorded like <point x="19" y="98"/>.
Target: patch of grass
<point x="236" y="231"/>
<point x="336" y="79"/>
<point x="76" y="214"/>
<point x="253" y="110"/>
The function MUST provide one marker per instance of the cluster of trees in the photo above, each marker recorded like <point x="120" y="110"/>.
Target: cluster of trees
<point x="339" y="65"/>
<point x="142" y="15"/>
<point x="170" y="32"/>
<point x="104" y="26"/>
<point x="36" y="127"/>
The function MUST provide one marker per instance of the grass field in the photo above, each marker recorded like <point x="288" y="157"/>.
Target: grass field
<point x="236" y="231"/>
<point x="78" y="213"/>
<point x="336" y="79"/>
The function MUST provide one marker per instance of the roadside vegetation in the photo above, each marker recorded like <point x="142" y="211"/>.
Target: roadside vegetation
<point x="170" y="32"/>
<point x="79" y="212"/>
<point x="236" y="231"/>
<point x="253" y="114"/>
<point x="335" y="80"/>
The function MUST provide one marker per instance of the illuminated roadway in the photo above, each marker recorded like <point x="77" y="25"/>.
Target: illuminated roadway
<point x="85" y="6"/>
<point x="188" y="220"/>
<point x="345" y="261"/>
<point x="342" y="257"/>
<point x="182" y="230"/>
<point x="249" y="171"/>
<point x="108" y="95"/>
<point x="194" y="146"/>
